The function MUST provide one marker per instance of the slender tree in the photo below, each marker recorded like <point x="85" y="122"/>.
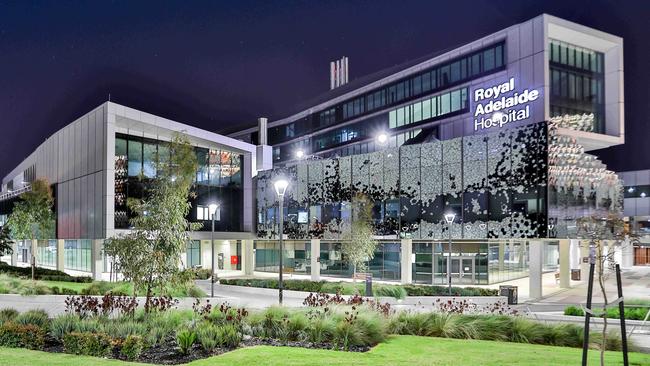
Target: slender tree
<point x="32" y="217"/>
<point x="150" y="254"/>
<point x="597" y="231"/>
<point x="359" y="245"/>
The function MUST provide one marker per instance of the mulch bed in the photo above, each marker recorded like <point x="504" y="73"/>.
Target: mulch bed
<point x="167" y="353"/>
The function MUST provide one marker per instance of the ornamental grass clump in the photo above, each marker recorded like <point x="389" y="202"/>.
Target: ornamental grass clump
<point x="185" y="340"/>
<point x="320" y="330"/>
<point x="38" y="318"/>
<point x="8" y="314"/>
<point x="64" y="324"/>
<point x="132" y="347"/>
<point x="208" y="336"/>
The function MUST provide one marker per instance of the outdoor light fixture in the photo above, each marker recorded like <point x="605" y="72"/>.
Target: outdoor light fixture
<point x="300" y="154"/>
<point x="449" y="218"/>
<point x="281" y="188"/>
<point x="213" y="207"/>
<point x="382" y="138"/>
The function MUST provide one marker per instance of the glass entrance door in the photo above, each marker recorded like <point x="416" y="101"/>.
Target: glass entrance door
<point x="462" y="270"/>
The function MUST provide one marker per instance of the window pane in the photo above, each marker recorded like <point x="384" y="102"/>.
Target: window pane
<point x="426" y="108"/>
<point x="149" y="164"/>
<point x="488" y="59"/>
<point x="135" y="158"/>
<point x="417" y="112"/>
<point x="455" y="100"/>
<point x="444" y="103"/>
<point x="392" y="119"/>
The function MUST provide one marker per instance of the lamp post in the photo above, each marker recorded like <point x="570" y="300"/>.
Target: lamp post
<point x="449" y="218"/>
<point x="382" y="138"/>
<point x="213" y="213"/>
<point x="280" y="188"/>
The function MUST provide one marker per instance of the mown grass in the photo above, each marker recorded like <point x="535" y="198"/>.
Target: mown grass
<point x="398" y="350"/>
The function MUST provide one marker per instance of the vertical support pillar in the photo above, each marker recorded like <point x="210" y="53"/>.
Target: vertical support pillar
<point x="584" y="265"/>
<point x="536" y="248"/>
<point x="60" y="255"/>
<point x="502" y="255"/>
<point x="96" y="262"/>
<point x="406" y="250"/>
<point x="565" y="263"/>
<point x="14" y="253"/>
<point x="627" y="253"/>
<point x="248" y="257"/>
<point x="315" y="259"/>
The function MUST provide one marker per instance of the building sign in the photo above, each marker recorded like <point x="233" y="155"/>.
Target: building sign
<point x="498" y="105"/>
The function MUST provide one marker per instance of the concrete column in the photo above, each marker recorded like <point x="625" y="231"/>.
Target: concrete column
<point x="584" y="265"/>
<point x="536" y="255"/>
<point x="248" y="257"/>
<point x="627" y="253"/>
<point x="565" y="263"/>
<point x="14" y="253"/>
<point x="315" y="259"/>
<point x="406" y="250"/>
<point x="502" y="255"/>
<point x="96" y="262"/>
<point x="60" y="255"/>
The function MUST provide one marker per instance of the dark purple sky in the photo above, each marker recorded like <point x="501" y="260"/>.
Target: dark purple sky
<point x="218" y="65"/>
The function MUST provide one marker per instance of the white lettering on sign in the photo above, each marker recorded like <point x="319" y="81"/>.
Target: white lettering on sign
<point x="501" y="104"/>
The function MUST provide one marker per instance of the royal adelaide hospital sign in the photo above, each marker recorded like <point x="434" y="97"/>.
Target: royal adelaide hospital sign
<point x="498" y="105"/>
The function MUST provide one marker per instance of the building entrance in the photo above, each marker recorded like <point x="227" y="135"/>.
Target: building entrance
<point x="462" y="270"/>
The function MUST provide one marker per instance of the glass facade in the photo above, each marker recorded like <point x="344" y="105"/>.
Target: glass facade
<point x="218" y="179"/>
<point x="437" y="106"/>
<point x="639" y="191"/>
<point x="577" y="85"/>
<point x="46" y="253"/>
<point x="78" y="255"/>
<point x="193" y="254"/>
<point x="436" y="78"/>
<point x="297" y="256"/>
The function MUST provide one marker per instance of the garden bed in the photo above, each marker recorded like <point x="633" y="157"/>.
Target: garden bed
<point x="114" y="327"/>
<point x="349" y="288"/>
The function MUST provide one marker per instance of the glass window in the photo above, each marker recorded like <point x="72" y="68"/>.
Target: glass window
<point x="476" y="64"/>
<point x="417" y="85"/>
<point x="400" y="117"/>
<point x="149" y="162"/>
<point x="417" y="112"/>
<point x="455" y="72"/>
<point x="426" y="82"/>
<point x="193" y="253"/>
<point x="488" y="59"/>
<point x="444" y="103"/>
<point x="455" y="100"/>
<point x="392" y="119"/>
<point x="120" y="147"/>
<point x="426" y="109"/>
<point x="135" y="158"/>
<point x="499" y="56"/>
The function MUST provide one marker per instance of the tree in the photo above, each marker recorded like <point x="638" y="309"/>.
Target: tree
<point x="597" y="231"/>
<point x="32" y="217"/>
<point x="5" y="241"/>
<point x="359" y="245"/>
<point x="150" y="254"/>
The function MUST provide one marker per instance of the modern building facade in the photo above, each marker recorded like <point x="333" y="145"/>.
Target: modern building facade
<point x="107" y="156"/>
<point x="637" y="212"/>
<point x="496" y="131"/>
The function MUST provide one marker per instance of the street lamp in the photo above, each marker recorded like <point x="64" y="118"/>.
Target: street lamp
<point x="300" y="154"/>
<point x="382" y="138"/>
<point x="213" y="207"/>
<point x="280" y="188"/>
<point x="449" y="218"/>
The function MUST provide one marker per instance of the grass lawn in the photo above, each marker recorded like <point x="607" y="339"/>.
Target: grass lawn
<point x="399" y="350"/>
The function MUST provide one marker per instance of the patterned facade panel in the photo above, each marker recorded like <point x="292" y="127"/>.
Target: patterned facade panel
<point x="415" y="185"/>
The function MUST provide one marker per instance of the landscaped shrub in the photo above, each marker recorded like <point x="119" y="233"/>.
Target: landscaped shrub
<point x="7" y="314"/>
<point x="98" y="288"/>
<point x="631" y="313"/>
<point x="573" y="310"/>
<point x="293" y="327"/>
<point x="347" y="334"/>
<point x="31" y="289"/>
<point x="228" y="336"/>
<point x="66" y="278"/>
<point x="320" y="329"/>
<point x="273" y="321"/>
<point x="185" y="339"/>
<point x="208" y="336"/>
<point x="38" y="318"/>
<point x="88" y="344"/>
<point x="27" y="271"/>
<point x="123" y="327"/>
<point x="63" y="325"/>
<point x="62" y="291"/>
<point x="132" y="347"/>
<point x="20" y="335"/>
<point x="396" y="292"/>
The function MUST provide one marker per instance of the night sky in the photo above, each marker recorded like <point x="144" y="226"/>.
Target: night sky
<point x="219" y="65"/>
